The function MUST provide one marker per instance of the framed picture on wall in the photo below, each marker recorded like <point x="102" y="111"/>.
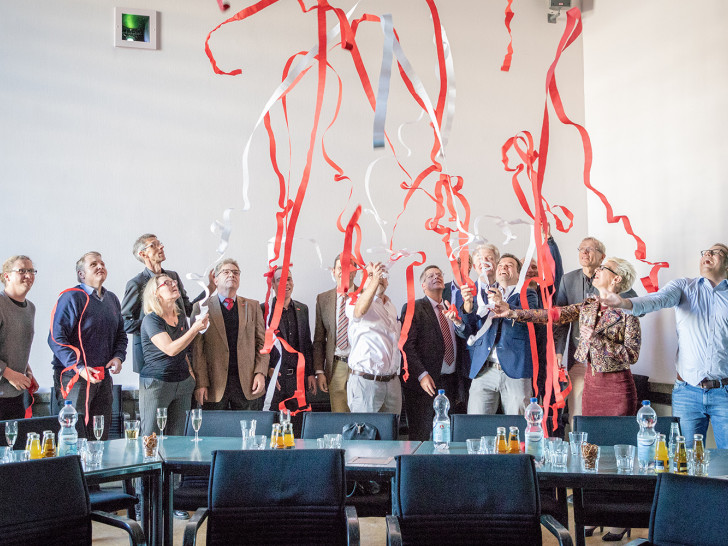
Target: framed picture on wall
<point x="135" y="28"/>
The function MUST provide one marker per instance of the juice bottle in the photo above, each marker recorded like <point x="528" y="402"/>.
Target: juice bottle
<point x="662" y="460"/>
<point x="514" y="443"/>
<point x="288" y="441"/>
<point x="501" y="445"/>
<point x="680" y="463"/>
<point x="698" y="448"/>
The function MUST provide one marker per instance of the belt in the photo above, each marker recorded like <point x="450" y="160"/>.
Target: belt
<point x="493" y="364"/>
<point x="288" y="371"/>
<point x="341" y="358"/>
<point x="372" y="377"/>
<point x="708" y="384"/>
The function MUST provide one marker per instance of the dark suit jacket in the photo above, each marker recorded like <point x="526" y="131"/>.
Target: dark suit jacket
<point x="211" y="354"/>
<point x="513" y="346"/>
<point x="132" y="312"/>
<point x="304" y="334"/>
<point x="575" y="287"/>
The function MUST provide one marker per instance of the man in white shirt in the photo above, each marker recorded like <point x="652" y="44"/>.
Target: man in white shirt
<point x="374" y="357"/>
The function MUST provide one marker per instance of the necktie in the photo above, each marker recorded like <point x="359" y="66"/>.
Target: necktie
<point x="229" y="302"/>
<point x="342" y="327"/>
<point x="446" y="336"/>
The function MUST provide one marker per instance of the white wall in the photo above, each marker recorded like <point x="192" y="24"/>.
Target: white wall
<point x="100" y="144"/>
<point x="655" y="79"/>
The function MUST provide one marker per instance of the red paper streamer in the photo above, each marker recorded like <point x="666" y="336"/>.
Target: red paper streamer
<point x="509" y="54"/>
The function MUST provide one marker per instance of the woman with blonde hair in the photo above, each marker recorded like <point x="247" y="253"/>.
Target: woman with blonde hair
<point x="166" y="379"/>
<point x="609" y="340"/>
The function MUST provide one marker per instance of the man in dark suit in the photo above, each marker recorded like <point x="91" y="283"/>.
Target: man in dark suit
<point x="433" y="354"/>
<point x="331" y="341"/>
<point x="228" y="365"/>
<point x="501" y="366"/>
<point x="294" y="329"/>
<point x="575" y="287"/>
<point x="150" y="251"/>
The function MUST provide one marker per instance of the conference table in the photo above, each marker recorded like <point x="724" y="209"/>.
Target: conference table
<point x="364" y="459"/>
<point x="606" y="477"/>
<point x="123" y="460"/>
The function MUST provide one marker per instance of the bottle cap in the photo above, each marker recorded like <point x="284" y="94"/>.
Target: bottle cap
<point x="534" y="400"/>
<point x="441" y="391"/>
<point x="68" y="402"/>
<point x="645" y="402"/>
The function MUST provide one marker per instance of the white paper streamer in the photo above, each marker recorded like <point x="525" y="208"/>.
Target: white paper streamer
<point x="385" y="75"/>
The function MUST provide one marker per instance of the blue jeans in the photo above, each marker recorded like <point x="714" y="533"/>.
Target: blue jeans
<point x="696" y="407"/>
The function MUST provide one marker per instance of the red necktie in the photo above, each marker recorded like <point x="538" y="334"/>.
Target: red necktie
<point x="446" y="336"/>
<point x="229" y="302"/>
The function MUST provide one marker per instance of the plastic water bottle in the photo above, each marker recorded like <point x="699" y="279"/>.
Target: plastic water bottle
<point x="534" y="431"/>
<point x="68" y="437"/>
<point x="646" y="437"/>
<point x="441" y="422"/>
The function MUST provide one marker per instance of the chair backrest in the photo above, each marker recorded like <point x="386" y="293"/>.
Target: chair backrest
<point x="226" y="423"/>
<point x="277" y="497"/>
<point x="686" y="510"/>
<point x="608" y="431"/>
<point x="38" y="424"/>
<point x="44" y="501"/>
<point x="316" y="424"/>
<point x="464" y="426"/>
<point x="464" y="499"/>
<point x="116" y="427"/>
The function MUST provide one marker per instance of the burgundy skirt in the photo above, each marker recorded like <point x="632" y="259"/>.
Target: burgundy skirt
<point x="609" y="393"/>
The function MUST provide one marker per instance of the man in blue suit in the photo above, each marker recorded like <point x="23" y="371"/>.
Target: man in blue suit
<point x="500" y="356"/>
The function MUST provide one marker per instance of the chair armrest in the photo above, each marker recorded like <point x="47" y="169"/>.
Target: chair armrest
<point x="637" y="541"/>
<point x="394" y="534"/>
<point x="136" y="535"/>
<point x="352" y="526"/>
<point x="192" y="526"/>
<point x="556" y="529"/>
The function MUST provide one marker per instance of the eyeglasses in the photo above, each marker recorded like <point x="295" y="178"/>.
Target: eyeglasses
<point x="25" y="271"/>
<point x="169" y="283"/>
<point x="711" y="252"/>
<point x="434" y="276"/>
<point x="153" y="244"/>
<point x="603" y="267"/>
<point x="228" y="272"/>
<point x="588" y="249"/>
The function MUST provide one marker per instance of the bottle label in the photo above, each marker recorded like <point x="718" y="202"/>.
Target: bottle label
<point x="441" y="433"/>
<point x="660" y="465"/>
<point x="535" y="448"/>
<point x="646" y="450"/>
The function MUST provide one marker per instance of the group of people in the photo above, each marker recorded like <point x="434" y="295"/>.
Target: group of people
<point x="473" y="343"/>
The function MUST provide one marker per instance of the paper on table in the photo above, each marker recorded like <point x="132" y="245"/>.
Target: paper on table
<point x="372" y="460"/>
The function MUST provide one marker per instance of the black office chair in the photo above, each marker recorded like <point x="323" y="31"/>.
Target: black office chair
<point x="488" y="499"/>
<point x="46" y="502"/>
<point x="192" y="490"/>
<point x="615" y="508"/>
<point x="463" y="427"/>
<point x="107" y="500"/>
<point x="276" y="497"/>
<point x="686" y="510"/>
<point x="315" y="425"/>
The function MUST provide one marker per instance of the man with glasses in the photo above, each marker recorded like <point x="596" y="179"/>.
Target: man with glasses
<point x="88" y="318"/>
<point x="150" y="251"/>
<point x="434" y="355"/>
<point x="575" y="287"/>
<point x="17" y="317"/>
<point x="228" y="365"/>
<point x="700" y="394"/>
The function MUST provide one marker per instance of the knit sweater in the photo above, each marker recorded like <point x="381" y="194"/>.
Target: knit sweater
<point x="16" y="336"/>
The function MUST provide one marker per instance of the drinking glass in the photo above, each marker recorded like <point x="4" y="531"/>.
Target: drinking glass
<point x="700" y="465"/>
<point x="625" y="457"/>
<point x="82" y="447"/>
<point x="473" y="446"/>
<point x="333" y="440"/>
<point x="20" y="455"/>
<point x="95" y="453"/>
<point x="560" y="454"/>
<point x="131" y="429"/>
<point x="487" y="444"/>
<point x="590" y="463"/>
<point x="98" y="426"/>
<point x="551" y="442"/>
<point x="196" y="419"/>
<point x="4" y="450"/>
<point x="11" y="433"/>
<point x="576" y="439"/>
<point x="257" y="442"/>
<point x="285" y="416"/>
<point x="161" y="421"/>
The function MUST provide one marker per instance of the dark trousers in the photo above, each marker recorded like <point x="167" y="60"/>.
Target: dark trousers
<point x="100" y="399"/>
<point x="420" y="411"/>
<point x="12" y="408"/>
<point x="234" y="398"/>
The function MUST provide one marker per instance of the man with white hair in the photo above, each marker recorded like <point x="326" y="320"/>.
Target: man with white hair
<point x="575" y="287"/>
<point x="88" y="316"/>
<point x="17" y="318"/>
<point x="700" y="393"/>
<point x="150" y="251"/>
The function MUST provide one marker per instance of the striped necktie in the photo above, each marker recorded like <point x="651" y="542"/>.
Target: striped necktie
<point x="446" y="336"/>
<point x="342" y="327"/>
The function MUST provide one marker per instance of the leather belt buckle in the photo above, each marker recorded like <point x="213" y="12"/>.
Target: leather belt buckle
<point x="341" y="358"/>
<point x="290" y="371"/>
<point x="493" y="364"/>
<point x="709" y="384"/>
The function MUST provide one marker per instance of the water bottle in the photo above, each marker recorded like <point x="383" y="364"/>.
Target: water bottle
<point x="68" y="437"/>
<point x="441" y="422"/>
<point x="646" y="437"/>
<point x="534" y="431"/>
<point x="674" y="433"/>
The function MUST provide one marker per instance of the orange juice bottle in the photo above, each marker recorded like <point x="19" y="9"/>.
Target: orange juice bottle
<point x="514" y="443"/>
<point x="662" y="460"/>
<point x="501" y="445"/>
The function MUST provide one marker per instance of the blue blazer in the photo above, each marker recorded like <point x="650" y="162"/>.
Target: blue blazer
<point x="514" y="347"/>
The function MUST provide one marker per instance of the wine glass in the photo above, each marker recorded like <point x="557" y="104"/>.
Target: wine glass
<point x="98" y="426"/>
<point x="161" y="421"/>
<point x="196" y="418"/>
<point x="11" y="433"/>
